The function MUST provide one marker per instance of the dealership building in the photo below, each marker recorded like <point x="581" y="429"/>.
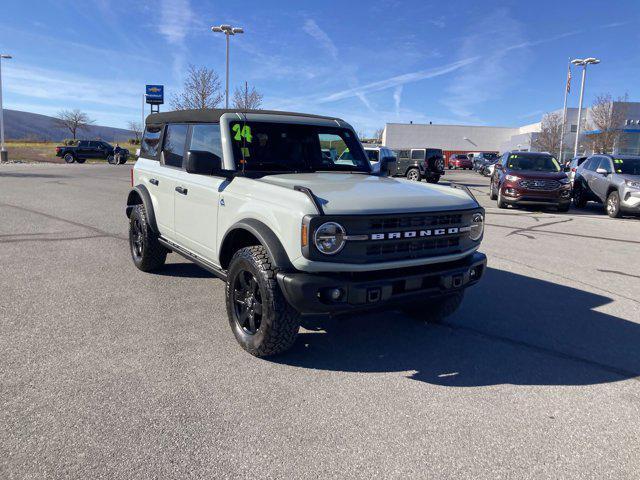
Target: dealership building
<point x="471" y="138"/>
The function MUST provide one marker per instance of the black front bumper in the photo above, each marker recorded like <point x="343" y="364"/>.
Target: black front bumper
<point x="310" y="293"/>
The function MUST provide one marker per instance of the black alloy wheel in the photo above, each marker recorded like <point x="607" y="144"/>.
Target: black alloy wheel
<point x="247" y="302"/>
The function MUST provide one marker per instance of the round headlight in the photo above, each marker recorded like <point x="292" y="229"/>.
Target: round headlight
<point x="329" y="238"/>
<point x="477" y="227"/>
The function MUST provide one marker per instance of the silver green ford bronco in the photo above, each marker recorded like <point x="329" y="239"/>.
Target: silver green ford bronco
<point x="268" y="202"/>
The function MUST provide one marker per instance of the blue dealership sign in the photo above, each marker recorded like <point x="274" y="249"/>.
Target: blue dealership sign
<point x="155" y="94"/>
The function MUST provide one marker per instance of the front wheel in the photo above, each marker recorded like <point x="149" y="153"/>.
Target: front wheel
<point x="112" y="160"/>
<point x="492" y="192"/>
<point x="613" y="205"/>
<point x="261" y="319"/>
<point x="435" y="310"/>
<point x="579" y="196"/>
<point x="413" y="174"/>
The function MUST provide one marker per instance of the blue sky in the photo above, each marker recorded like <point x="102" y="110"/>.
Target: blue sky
<point x="369" y="62"/>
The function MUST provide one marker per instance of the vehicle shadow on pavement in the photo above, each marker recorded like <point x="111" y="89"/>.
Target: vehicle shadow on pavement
<point x="511" y="329"/>
<point x="184" y="269"/>
<point x="30" y="175"/>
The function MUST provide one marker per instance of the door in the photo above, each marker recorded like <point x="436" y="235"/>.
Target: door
<point x="197" y="197"/>
<point x="403" y="161"/>
<point x="169" y="174"/>
<point x="83" y="149"/>
<point x="600" y="182"/>
<point x="589" y="173"/>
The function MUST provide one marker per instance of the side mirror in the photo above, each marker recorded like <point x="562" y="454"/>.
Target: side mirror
<point x="602" y="171"/>
<point x="202" y="163"/>
<point x="386" y="165"/>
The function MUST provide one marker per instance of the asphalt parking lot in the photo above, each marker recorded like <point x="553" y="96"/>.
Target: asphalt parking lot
<point x="107" y="372"/>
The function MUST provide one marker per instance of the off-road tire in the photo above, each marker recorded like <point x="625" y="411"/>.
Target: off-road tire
<point x="435" y="310"/>
<point x="279" y="323"/>
<point x="69" y="158"/>
<point x="152" y="255"/>
<point x="81" y="160"/>
<point x="612" y="205"/>
<point x="579" y="196"/>
<point x="413" y="174"/>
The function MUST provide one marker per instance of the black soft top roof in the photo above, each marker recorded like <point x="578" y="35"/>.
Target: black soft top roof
<point x="213" y="115"/>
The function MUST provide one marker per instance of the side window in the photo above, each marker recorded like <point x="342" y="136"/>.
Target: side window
<point x="606" y="164"/>
<point x="403" y="154"/>
<point x="206" y="137"/>
<point x="591" y="163"/>
<point x="417" y="154"/>
<point x="150" y="142"/>
<point x="175" y="139"/>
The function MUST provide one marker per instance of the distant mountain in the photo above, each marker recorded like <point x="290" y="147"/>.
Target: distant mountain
<point x="33" y="126"/>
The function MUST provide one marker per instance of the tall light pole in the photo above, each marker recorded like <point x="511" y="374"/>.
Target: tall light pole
<point x="228" y="30"/>
<point x="582" y="62"/>
<point x="4" y="157"/>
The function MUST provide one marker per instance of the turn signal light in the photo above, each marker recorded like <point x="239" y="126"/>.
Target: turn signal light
<point x="304" y="232"/>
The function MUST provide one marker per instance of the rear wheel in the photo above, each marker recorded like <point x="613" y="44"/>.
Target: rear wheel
<point x="433" y="179"/>
<point x="413" y="174"/>
<point x="112" y="160"/>
<point x="147" y="253"/>
<point x="435" y="310"/>
<point x="613" y="204"/>
<point x="69" y="158"/>
<point x="260" y="317"/>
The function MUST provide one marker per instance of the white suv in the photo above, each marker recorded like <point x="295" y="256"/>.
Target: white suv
<point x="253" y="197"/>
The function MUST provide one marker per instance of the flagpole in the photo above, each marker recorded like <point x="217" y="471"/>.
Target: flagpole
<point x="564" y="109"/>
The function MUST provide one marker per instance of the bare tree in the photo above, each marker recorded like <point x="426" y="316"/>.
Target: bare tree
<point x="378" y="135"/>
<point x="201" y="90"/>
<point x="606" y="119"/>
<point x="136" y="128"/>
<point x="247" y="98"/>
<point x="548" y="140"/>
<point x="73" y="120"/>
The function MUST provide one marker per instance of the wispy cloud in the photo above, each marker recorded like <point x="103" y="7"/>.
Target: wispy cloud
<point x="489" y="78"/>
<point x="438" y="22"/>
<point x="176" y="17"/>
<point x="312" y="28"/>
<point x="397" y="97"/>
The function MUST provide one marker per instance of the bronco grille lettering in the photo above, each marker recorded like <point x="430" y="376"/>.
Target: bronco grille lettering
<point x="415" y="233"/>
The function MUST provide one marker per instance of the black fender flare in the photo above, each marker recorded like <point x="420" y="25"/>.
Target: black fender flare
<point x="265" y="236"/>
<point x="140" y="194"/>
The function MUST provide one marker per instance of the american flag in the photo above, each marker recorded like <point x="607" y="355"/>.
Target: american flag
<point x="569" y="80"/>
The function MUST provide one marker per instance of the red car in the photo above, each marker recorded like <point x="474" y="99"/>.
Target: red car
<point x="529" y="178"/>
<point x="459" y="160"/>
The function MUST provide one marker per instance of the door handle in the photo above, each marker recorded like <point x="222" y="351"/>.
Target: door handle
<point x="181" y="190"/>
<point x="153" y="181"/>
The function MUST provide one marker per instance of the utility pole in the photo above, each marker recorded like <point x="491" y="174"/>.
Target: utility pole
<point x="4" y="156"/>
<point x="583" y="63"/>
<point x="564" y="111"/>
<point x="228" y="30"/>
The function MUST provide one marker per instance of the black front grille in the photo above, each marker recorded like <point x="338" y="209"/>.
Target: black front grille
<point x="545" y="185"/>
<point x="392" y="237"/>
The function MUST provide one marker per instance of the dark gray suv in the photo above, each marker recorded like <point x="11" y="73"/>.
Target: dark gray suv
<point x="613" y="180"/>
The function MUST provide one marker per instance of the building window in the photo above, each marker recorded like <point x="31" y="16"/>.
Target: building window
<point x="574" y="128"/>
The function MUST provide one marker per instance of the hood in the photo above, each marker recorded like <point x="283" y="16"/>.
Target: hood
<point x="353" y="193"/>
<point x="537" y="175"/>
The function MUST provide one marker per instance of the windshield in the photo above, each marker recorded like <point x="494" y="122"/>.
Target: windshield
<point x="627" y="166"/>
<point x="537" y="163"/>
<point x="281" y="147"/>
<point x="490" y="156"/>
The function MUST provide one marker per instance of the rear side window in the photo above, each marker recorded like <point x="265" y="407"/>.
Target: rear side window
<point x="175" y="140"/>
<point x="373" y="155"/>
<point x="591" y="163"/>
<point x="206" y="138"/>
<point x="417" y="154"/>
<point x="150" y="142"/>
